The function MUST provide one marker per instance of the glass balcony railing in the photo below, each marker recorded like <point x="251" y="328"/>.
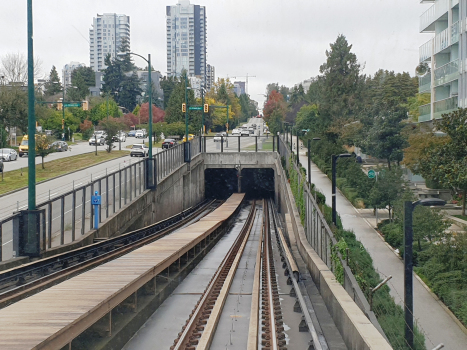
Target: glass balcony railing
<point x="424" y="83"/>
<point x="425" y="113"/>
<point x="455" y="30"/>
<point x="438" y="9"/>
<point x="442" y="40"/>
<point x="426" y="50"/>
<point x="444" y="106"/>
<point x="447" y="73"/>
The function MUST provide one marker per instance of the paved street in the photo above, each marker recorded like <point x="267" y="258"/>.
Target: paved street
<point x="430" y="314"/>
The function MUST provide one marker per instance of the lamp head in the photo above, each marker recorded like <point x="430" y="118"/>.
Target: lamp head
<point x="430" y="202"/>
<point x="345" y="155"/>
<point x="316" y="139"/>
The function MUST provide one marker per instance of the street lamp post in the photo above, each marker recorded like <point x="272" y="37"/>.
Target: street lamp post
<point x="409" y="207"/>
<point x="334" y="161"/>
<point x="186" y="108"/>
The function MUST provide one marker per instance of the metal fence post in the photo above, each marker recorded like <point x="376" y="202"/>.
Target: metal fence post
<point x="222" y="144"/>
<point x="113" y="192"/>
<point x="62" y="220"/>
<point x="83" y="210"/>
<point x="239" y="138"/>
<point x="256" y="143"/>
<point x="100" y="206"/>
<point x="119" y="189"/>
<point x="126" y="188"/>
<point x="73" y="215"/>
<point x="49" y="230"/>
<point x="131" y="183"/>
<point x="1" y="239"/>
<point x="92" y="211"/>
<point x="106" y="196"/>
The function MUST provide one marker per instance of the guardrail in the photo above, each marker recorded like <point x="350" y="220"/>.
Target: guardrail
<point x="70" y="215"/>
<point x="321" y="238"/>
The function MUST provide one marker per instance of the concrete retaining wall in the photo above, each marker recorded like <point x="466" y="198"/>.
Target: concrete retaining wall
<point x="356" y="329"/>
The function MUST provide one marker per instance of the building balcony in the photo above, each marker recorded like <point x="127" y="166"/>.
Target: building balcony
<point x="424" y="83"/>
<point x="447" y="73"/>
<point x="445" y="106"/>
<point x="426" y="51"/>
<point x="439" y="10"/>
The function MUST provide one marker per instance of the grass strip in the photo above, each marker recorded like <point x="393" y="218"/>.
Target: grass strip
<point x="16" y="179"/>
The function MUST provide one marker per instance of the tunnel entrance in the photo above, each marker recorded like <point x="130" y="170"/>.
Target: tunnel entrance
<point x="220" y="183"/>
<point x="255" y="183"/>
<point x="258" y="183"/>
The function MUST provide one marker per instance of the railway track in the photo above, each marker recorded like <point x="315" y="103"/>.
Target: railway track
<point x="28" y="279"/>
<point x="266" y="328"/>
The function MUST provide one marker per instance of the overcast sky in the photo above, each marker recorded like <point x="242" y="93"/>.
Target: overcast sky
<point x="280" y="41"/>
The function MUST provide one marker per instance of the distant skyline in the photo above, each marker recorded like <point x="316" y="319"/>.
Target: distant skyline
<point x="275" y="40"/>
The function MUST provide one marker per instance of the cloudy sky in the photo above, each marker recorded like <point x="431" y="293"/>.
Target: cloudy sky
<point x="280" y="41"/>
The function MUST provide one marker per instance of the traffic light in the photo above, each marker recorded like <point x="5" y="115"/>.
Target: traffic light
<point x="183" y="107"/>
<point x="85" y="105"/>
<point x="206" y="108"/>
<point x="63" y="123"/>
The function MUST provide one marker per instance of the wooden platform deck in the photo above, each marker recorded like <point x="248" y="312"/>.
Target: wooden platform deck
<point x="52" y="318"/>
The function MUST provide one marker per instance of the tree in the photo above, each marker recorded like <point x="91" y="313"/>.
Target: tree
<point x="168" y="85"/>
<point x="14" y="108"/>
<point x="173" y="110"/>
<point x="53" y="85"/>
<point x="342" y="82"/>
<point x="111" y="127"/>
<point x="99" y="112"/>
<point x="43" y="147"/>
<point x="14" y="68"/>
<point x="86" y="129"/>
<point x="428" y="225"/>
<point x="83" y="78"/>
<point x="130" y="120"/>
<point x="387" y="188"/>
<point x="157" y="114"/>
<point x="129" y="91"/>
<point x="446" y="163"/>
<point x="275" y="101"/>
<point x="385" y="139"/>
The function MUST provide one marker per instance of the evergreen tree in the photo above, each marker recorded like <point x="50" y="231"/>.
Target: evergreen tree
<point x="53" y="85"/>
<point x="342" y="82"/>
<point x="83" y="78"/>
<point x="129" y="90"/>
<point x="168" y="85"/>
<point x="173" y="110"/>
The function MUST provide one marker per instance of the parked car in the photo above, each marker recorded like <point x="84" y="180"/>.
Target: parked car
<point x="219" y="137"/>
<point x="131" y="133"/>
<point x="8" y="154"/>
<point x="120" y="137"/>
<point x="169" y="143"/>
<point x="139" y="150"/>
<point x="100" y="140"/>
<point x="245" y="132"/>
<point x="1" y="166"/>
<point x="140" y="134"/>
<point x="59" y="146"/>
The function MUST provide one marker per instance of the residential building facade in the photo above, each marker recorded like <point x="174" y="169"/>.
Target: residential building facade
<point x="105" y="37"/>
<point x="445" y="54"/>
<point x="67" y="70"/>
<point x="239" y="87"/>
<point x="210" y="76"/>
<point x="155" y="81"/>
<point x="186" y="39"/>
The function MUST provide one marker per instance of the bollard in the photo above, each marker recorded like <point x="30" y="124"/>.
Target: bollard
<point x="96" y="202"/>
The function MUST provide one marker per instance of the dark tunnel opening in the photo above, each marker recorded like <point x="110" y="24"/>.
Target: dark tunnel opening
<point x="256" y="183"/>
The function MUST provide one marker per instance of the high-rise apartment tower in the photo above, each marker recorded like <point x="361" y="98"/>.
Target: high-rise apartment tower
<point x="186" y="39"/>
<point x="105" y="37"/>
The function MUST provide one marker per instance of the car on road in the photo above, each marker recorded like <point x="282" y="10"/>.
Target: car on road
<point x="59" y="146"/>
<point x="100" y="140"/>
<point x="1" y="166"/>
<point x="235" y="132"/>
<point x="220" y="138"/>
<point x="8" y="154"/>
<point x="245" y="132"/>
<point x="120" y="137"/>
<point x="131" y="133"/>
<point x="190" y="137"/>
<point x="140" y="134"/>
<point x="139" y="150"/>
<point x="169" y="143"/>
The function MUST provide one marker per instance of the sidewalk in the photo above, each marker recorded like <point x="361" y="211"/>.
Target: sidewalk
<point x="430" y="313"/>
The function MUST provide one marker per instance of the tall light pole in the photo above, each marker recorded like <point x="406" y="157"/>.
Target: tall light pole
<point x="309" y="158"/>
<point x="150" y="94"/>
<point x="334" y="159"/>
<point x="186" y="107"/>
<point x="409" y="207"/>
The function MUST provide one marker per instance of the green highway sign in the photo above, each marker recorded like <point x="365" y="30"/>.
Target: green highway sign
<point x="195" y="108"/>
<point x="75" y="104"/>
<point x="371" y="174"/>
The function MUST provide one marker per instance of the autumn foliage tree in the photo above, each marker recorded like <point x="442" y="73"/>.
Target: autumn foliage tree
<point x="274" y="111"/>
<point x="158" y="114"/>
<point x="130" y="120"/>
<point x="86" y="128"/>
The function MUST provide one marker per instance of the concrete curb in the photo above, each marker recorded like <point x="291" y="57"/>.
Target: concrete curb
<point x="460" y="221"/>
<point x="59" y="176"/>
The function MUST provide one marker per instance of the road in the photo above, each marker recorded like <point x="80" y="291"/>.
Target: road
<point x="430" y="314"/>
<point x="118" y="192"/>
<point x="79" y="148"/>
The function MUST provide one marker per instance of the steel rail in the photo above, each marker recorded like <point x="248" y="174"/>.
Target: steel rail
<point x="201" y="325"/>
<point x="292" y="266"/>
<point x="120" y="245"/>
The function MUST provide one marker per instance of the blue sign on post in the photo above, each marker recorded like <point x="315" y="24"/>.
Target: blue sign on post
<point x="96" y="201"/>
